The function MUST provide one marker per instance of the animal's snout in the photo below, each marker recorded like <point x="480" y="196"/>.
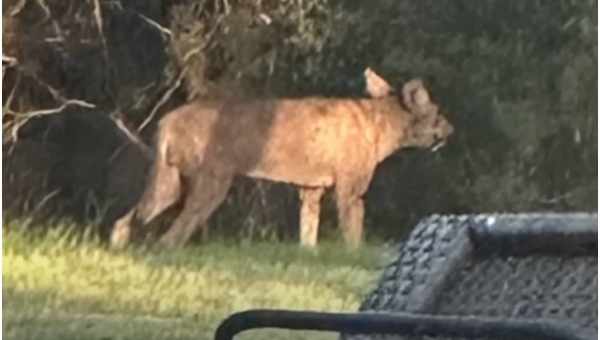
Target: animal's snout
<point x="443" y="129"/>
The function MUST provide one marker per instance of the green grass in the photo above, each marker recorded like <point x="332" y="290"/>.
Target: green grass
<point x="57" y="285"/>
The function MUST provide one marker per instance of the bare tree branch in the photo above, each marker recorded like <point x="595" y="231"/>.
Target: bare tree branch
<point x="23" y="70"/>
<point x="207" y="40"/>
<point x="156" y="25"/>
<point x="12" y="93"/>
<point x="107" y="62"/>
<point x="99" y="24"/>
<point x="69" y="102"/>
<point x="45" y="8"/>
<point x="22" y="119"/>
<point x="180" y="77"/>
<point x="133" y="138"/>
<point x="9" y="61"/>
<point x="18" y="8"/>
<point x="162" y="101"/>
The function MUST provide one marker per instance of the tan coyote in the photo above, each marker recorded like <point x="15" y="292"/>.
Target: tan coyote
<point x="313" y="143"/>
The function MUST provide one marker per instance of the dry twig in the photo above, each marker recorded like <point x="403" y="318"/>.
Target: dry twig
<point x="45" y="8"/>
<point x="18" y="8"/>
<point x="165" y="97"/>
<point x="162" y="101"/>
<point x="156" y="25"/>
<point x="207" y="40"/>
<point x="133" y="138"/>
<point x="69" y="102"/>
<point x="13" y="62"/>
<point x="6" y="108"/>
<point x="22" y="119"/>
<point x="9" y="61"/>
<point x="99" y="24"/>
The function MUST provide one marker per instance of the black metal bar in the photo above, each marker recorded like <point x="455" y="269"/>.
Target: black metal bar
<point x="400" y="324"/>
<point x="550" y="233"/>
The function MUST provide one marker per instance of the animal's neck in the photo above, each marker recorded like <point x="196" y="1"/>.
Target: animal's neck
<point x="392" y="121"/>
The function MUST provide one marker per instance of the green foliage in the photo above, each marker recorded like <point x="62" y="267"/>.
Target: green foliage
<point x="518" y="80"/>
<point x="63" y="285"/>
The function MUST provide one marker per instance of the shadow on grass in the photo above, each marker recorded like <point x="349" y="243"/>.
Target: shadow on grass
<point x="34" y="315"/>
<point x="57" y="286"/>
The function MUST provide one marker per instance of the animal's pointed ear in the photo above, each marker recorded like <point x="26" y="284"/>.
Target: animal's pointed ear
<point x="415" y="95"/>
<point x="376" y="87"/>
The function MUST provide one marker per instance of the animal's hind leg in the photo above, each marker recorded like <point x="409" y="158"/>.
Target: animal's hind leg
<point x="309" y="215"/>
<point x="207" y="191"/>
<point x="121" y="233"/>
<point x="163" y="190"/>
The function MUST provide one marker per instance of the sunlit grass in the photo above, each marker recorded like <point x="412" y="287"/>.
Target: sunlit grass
<point x="59" y="285"/>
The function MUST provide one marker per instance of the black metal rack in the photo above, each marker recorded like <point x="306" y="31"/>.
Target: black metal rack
<point x="500" y="276"/>
<point x="401" y="324"/>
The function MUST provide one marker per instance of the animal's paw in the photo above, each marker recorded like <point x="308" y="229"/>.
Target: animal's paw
<point x="121" y="234"/>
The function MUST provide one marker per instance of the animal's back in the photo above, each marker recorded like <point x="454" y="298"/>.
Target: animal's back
<point x="306" y="141"/>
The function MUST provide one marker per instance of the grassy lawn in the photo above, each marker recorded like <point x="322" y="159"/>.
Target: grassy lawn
<point x="59" y="286"/>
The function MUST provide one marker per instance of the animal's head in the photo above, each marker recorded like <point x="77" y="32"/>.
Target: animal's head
<point x="426" y="127"/>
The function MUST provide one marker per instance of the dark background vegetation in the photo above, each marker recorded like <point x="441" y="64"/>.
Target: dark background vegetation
<point x="518" y="79"/>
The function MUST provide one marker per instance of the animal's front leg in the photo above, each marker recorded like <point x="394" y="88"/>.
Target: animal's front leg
<point x="350" y="206"/>
<point x="206" y="193"/>
<point x="309" y="215"/>
<point x="351" y="212"/>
